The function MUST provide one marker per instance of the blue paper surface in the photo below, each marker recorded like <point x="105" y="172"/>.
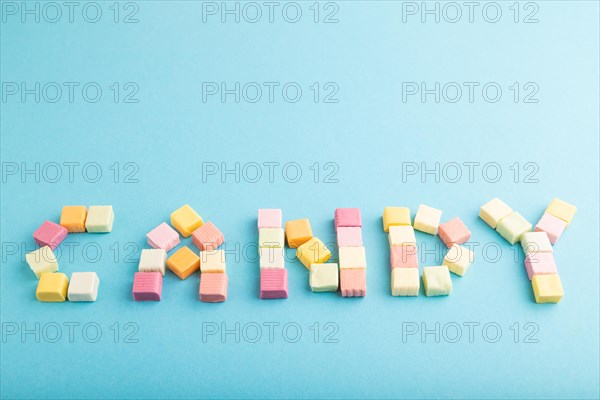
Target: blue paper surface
<point x="152" y="104"/>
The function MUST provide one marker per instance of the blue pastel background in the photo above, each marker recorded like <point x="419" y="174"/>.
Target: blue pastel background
<point x="170" y="133"/>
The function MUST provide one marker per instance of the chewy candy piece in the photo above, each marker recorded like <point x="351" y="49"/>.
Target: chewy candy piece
<point x="83" y="286"/>
<point x="313" y="252"/>
<point x="147" y="286"/>
<point x="352" y="258"/>
<point x="345" y="217"/>
<point x="405" y="282"/>
<point x="274" y="283"/>
<point x="73" y="218"/>
<point x="324" y="277"/>
<point x="454" y="231"/>
<point x="547" y="288"/>
<point x="52" y="287"/>
<point x="427" y="219"/>
<point x="99" y="219"/>
<point x="50" y="234"/>
<point x="42" y="260"/>
<point x="536" y="242"/>
<point x="186" y="220"/>
<point x="493" y="211"/>
<point x="163" y="237"/>
<point x="561" y="209"/>
<point x="298" y="232"/>
<point x="513" y="227"/>
<point x="271" y="237"/>
<point x="269" y="218"/>
<point x="402" y="235"/>
<point x="394" y="216"/>
<point x="458" y="259"/>
<point x="436" y="281"/>
<point x="207" y="237"/>
<point x="540" y="264"/>
<point x="353" y="282"/>
<point x="213" y="288"/>
<point x="349" y="237"/>
<point x="553" y="226"/>
<point x="212" y="261"/>
<point x="184" y="262"/>
<point x="271" y="257"/>
<point x="404" y="257"/>
<point x="153" y="260"/>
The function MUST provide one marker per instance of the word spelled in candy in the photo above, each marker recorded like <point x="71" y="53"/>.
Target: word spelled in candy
<point x="348" y="274"/>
